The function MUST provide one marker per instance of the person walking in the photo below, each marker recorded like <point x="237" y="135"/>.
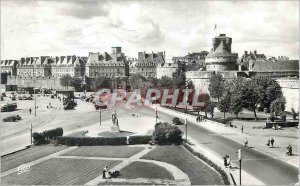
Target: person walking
<point x="30" y="111"/>
<point x="246" y="142"/>
<point x="104" y="172"/>
<point x="242" y="129"/>
<point x="225" y="161"/>
<point x="272" y="142"/>
<point x="228" y="162"/>
<point x="268" y="143"/>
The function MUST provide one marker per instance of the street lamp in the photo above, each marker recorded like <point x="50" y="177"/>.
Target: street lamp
<point x="156" y="115"/>
<point x="34" y="92"/>
<point x="185" y="121"/>
<point x="240" y="160"/>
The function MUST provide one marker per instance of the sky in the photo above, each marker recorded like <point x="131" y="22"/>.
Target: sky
<point x="54" y="28"/>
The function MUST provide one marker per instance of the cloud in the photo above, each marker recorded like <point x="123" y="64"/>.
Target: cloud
<point x="85" y="9"/>
<point x="178" y="27"/>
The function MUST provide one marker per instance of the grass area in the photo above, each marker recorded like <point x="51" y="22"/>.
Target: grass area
<point x="105" y="151"/>
<point x="145" y="170"/>
<point x="36" y="152"/>
<point x="198" y="172"/>
<point x="58" y="171"/>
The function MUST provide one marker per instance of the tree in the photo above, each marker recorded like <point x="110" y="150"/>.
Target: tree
<point x="211" y="109"/>
<point x="267" y="89"/>
<point x="65" y="80"/>
<point x="235" y="88"/>
<point x="224" y="103"/>
<point x="251" y="96"/>
<point x="102" y="82"/>
<point x="137" y="81"/>
<point x="216" y="86"/>
<point x="278" y="106"/>
<point x="165" y="82"/>
<point x="76" y="83"/>
<point x="166" y="133"/>
<point x="179" y="78"/>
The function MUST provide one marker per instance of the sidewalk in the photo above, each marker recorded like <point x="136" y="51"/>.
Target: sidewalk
<point x="236" y="135"/>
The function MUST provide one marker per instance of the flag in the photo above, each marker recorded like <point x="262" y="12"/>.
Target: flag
<point x="215" y="27"/>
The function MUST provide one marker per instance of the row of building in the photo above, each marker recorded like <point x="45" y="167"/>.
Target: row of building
<point x="116" y="64"/>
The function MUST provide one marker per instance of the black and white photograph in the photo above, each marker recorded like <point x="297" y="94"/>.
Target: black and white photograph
<point x="149" y="92"/>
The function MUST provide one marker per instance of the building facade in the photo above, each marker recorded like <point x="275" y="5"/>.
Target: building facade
<point x="107" y="65"/>
<point x="147" y="63"/>
<point x="71" y="65"/>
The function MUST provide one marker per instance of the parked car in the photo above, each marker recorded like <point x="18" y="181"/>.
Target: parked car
<point x="13" y="98"/>
<point x="12" y="118"/>
<point x="29" y="98"/>
<point x="176" y="121"/>
<point x="20" y="98"/>
<point x="9" y="107"/>
<point x="3" y="94"/>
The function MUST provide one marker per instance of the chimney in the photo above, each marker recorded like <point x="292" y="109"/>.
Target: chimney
<point x="255" y="52"/>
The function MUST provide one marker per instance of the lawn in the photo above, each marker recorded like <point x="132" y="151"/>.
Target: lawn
<point x="105" y="151"/>
<point x="36" y="152"/>
<point x="59" y="171"/>
<point x="145" y="170"/>
<point x="198" y="172"/>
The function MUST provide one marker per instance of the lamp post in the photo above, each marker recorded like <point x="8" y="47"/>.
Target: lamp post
<point x="100" y="116"/>
<point x="156" y="115"/>
<point x="34" y="92"/>
<point x="240" y="160"/>
<point x="31" y="133"/>
<point x="185" y="129"/>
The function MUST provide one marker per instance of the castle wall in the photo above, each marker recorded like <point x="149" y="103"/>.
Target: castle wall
<point x="290" y="90"/>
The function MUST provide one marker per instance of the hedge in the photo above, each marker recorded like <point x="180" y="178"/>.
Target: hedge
<point x="209" y="162"/>
<point x="91" y="141"/>
<point x="53" y="133"/>
<point x="39" y="138"/>
<point x="139" y="139"/>
<point x="46" y="136"/>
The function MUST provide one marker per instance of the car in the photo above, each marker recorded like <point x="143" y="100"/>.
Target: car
<point x="13" y="98"/>
<point x="12" y="118"/>
<point x="29" y="98"/>
<point x="176" y="121"/>
<point x="20" y="98"/>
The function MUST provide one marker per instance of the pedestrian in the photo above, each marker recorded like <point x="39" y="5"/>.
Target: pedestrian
<point x="268" y="143"/>
<point x="272" y="142"/>
<point x="242" y="129"/>
<point x="228" y="162"/>
<point x="290" y="150"/>
<point x="104" y="172"/>
<point x="30" y="110"/>
<point x="246" y="142"/>
<point x="225" y="161"/>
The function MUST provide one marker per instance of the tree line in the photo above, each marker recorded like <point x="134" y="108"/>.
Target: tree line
<point x="262" y="93"/>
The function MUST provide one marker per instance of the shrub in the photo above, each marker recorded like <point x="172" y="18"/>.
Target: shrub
<point x="139" y="139"/>
<point x="53" y="133"/>
<point x="166" y="133"/>
<point x="283" y="116"/>
<point x="39" y="138"/>
<point x="210" y="163"/>
<point x="90" y="141"/>
<point x="272" y="117"/>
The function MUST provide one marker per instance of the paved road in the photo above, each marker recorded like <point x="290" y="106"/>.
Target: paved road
<point x="265" y="168"/>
